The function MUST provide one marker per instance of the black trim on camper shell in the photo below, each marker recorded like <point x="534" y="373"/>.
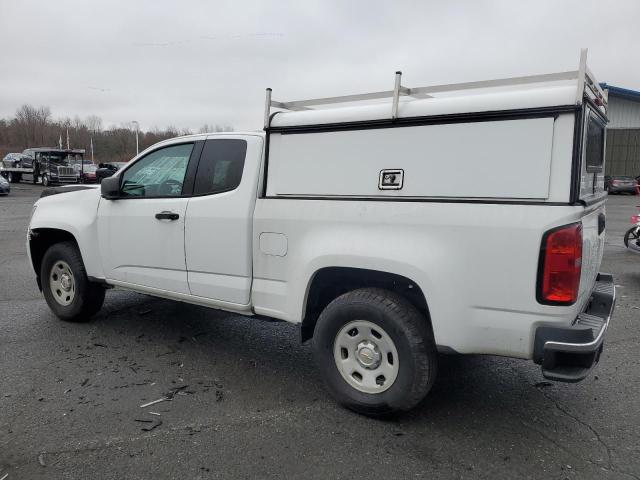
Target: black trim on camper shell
<point x="493" y="115"/>
<point x="481" y="201"/>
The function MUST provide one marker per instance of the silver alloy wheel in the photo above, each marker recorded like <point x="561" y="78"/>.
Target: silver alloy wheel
<point x="62" y="283"/>
<point x="366" y="356"/>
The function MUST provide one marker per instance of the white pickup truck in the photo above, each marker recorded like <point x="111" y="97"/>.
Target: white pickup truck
<point x="465" y="219"/>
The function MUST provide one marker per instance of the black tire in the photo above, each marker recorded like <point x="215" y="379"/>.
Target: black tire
<point x="630" y="235"/>
<point x="45" y="180"/>
<point x="88" y="297"/>
<point x="413" y="338"/>
<point x="13" y="177"/>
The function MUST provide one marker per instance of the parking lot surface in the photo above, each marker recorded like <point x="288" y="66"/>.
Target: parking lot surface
<point x="247" y="401"/>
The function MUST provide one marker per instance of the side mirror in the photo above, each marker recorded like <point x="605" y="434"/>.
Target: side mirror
<point x="110" y="188"/>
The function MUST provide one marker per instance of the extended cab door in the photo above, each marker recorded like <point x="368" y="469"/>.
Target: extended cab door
<point x="218" y="230"/>
<point x="142" y="233"/>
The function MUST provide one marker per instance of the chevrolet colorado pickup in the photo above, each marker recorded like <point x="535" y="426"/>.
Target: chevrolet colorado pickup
<point x="466" y="218"/>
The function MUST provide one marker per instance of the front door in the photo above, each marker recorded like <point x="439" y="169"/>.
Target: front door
<point x="141" y="234"/>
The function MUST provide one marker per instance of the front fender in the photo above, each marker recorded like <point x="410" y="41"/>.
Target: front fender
<point x="74" y="212"/>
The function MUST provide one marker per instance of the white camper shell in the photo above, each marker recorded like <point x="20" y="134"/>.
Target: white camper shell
<point x="508" y="139"/>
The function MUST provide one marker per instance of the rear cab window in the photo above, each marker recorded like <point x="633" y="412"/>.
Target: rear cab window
<point x="592" y="158"/>
<point x="221" y="166"/>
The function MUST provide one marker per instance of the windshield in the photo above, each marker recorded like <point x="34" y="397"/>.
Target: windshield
<point x="60" y="158"/>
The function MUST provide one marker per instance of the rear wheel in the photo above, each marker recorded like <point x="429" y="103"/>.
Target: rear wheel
<point x="66" y="288"/>
<point x="376" y="351"/>
<point x="45" y="180"/>
<point x="13" y="177"/>
<point x="632" y="235"/>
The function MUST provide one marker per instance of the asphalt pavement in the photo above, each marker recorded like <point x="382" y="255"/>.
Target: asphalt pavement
<point x="246" y="400"/>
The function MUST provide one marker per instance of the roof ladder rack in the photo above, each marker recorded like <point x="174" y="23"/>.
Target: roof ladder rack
<point x="587" y="85"/>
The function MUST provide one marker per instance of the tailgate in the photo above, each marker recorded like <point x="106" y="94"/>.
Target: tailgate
<point x="593" y="231"/>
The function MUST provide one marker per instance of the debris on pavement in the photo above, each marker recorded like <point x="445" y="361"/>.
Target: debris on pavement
<point x="41" y="460"/>
<point x="148" y="428"/>
<point x="163" y="399"/>
<point x="84" y="382"/>
<point x="154" y="413"/>
<point x="176" y="390"/>
<point x="145" y="312"/>
<point x="543" y="384"/>
<point x="4" y="476"/>
<point x="169" y="395"/>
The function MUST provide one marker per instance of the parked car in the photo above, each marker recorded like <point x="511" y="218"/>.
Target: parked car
<point x="12" y="163"/>
<point x="105" y="170"/>
<point x="621" y="184"/>
<point x="86" y="171"/>
<point x="12" y="160"/>
<point x="338" y="220"/>
<point x="5" y="188"/>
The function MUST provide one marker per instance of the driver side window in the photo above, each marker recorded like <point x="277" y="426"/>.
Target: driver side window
<point x="159" y="174"/>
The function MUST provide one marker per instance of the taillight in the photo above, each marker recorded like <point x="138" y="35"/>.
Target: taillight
<point x="560" y="265"/>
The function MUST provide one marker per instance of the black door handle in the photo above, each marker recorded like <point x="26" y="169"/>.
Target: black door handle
<point x="167" y="216"/>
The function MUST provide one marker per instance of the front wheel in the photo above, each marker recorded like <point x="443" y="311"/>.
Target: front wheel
<point x="45" y="180"/>
<point x="66" y="288"/>
<point x="376" y="352"/>
<point x="632" y="235"/>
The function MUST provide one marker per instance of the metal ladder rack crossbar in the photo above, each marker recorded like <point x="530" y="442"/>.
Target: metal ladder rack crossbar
<point x="586" y="85"/>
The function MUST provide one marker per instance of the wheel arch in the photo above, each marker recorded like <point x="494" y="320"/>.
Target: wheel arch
<point x="40" y="240"/>
<point x="328" y="283"/>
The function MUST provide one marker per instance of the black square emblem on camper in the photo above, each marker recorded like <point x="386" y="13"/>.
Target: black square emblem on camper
<point x="391" y="179"/>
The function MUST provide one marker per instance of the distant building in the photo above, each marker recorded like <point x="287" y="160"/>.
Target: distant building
<point x="623" y="131"/>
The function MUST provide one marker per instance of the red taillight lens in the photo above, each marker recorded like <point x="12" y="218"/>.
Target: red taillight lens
<point x="560" y="265"/>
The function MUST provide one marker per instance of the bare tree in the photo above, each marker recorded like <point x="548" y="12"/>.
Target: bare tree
<point x="93" y="123"/>
<point x="34" y="127"/>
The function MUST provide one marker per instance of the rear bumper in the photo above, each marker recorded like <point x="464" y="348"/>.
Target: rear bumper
<point x="567" y="354"/>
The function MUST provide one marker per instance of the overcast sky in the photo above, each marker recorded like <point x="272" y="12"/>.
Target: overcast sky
<point x="193" y="62"/>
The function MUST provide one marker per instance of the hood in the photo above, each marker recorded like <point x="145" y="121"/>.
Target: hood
<point x="66" y="189"/>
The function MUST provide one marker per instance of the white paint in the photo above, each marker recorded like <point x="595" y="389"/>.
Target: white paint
<point x="218" y="234"/>
<point x="549" y="94"/>
<point x="273" y="244"/>
<point x="497" y="159"/>
<point x="137" y="248"/>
